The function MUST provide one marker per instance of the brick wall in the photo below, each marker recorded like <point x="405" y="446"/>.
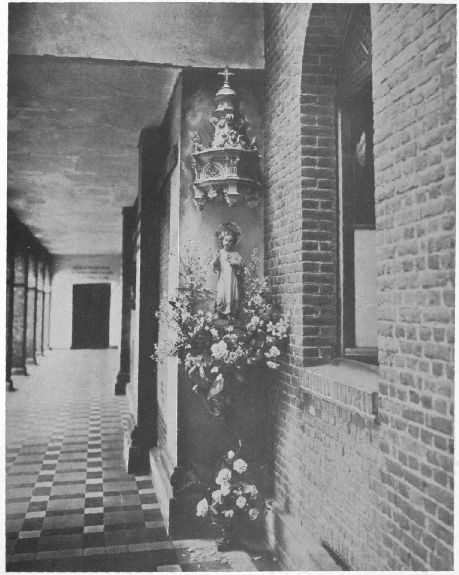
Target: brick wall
<point x="319" y="199"/>
<point x="414" y="123"/>
<point x="379" y="494"/>
<point x="285" y="29"/>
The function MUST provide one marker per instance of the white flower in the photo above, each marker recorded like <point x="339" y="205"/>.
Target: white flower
<point x="214" y="369"/>
<point x="217" y="496"/>
<point x="240" y="466"/>
<point x="251" y="489"/>
<point x="228" y="513"/>
<point x="230" y="455"/>
<point x="202" y="508"/>
<point x="272" y="364"/>
<point x="219" y="349"/>
<point x="229" y="329"/>
<point x="253" y="513"/>
<point x="214" y="332"/>
<point x="241" y="501"/>
<point x="225" y="489"/>
<point x="254" y="321"/>
<point x="224" y="475"/>
<point x="257" y="300"/>
<point x="274" y="351"/>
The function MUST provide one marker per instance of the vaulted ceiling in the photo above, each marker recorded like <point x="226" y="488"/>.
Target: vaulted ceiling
<point x="83" y="80"/>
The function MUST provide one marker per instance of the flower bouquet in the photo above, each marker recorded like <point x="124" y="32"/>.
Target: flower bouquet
<point x="235" y="504"/>
<point x="214" y="352"/>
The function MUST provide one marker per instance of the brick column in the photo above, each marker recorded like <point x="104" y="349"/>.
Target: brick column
<point x="46" y="305"/>
<point x="31" y="328"/>
<point x="39" y="309"/>
<point x="122" y="378"/>
<point x="319" y="182"/>
<point x="9" y="314"/>
<point x="20" y="310"/>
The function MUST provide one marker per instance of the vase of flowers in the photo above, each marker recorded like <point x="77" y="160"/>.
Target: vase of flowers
<point x="234" y="502"/>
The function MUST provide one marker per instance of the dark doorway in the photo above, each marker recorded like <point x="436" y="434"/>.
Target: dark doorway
<point x="91" y="316"/>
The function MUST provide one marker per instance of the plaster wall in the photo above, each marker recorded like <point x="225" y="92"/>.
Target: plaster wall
<point x="203" y="33"/>
<point x="169" y="277"/>
<point x="71" y="270"/>
<point x="131" y="390"/>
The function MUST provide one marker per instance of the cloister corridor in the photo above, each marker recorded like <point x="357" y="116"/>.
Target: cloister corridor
<point x="70" y="504"/>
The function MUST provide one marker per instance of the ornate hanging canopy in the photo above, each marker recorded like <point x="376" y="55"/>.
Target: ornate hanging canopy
<point x="228" y="168"/>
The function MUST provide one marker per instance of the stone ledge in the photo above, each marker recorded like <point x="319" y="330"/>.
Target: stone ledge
<point x="346" y="383"/>
<point x="296" y="547"/>
<point x="161" y="471"/>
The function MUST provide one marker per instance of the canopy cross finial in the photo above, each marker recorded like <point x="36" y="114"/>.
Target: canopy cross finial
<point x="226" y="73"/>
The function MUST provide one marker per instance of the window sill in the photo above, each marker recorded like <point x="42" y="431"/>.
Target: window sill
<point x="363" y="355"/>
<point x="347" y="383"/>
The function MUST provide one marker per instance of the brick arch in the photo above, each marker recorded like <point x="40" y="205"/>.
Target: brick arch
<point x="319" y="83"/>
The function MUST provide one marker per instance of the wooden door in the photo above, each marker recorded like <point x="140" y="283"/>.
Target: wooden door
<point x="91" y="316"/>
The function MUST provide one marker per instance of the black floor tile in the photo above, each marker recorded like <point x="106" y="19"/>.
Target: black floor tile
<point x="32" y="524"/>
<point x="28" y="545"/>
<point x="93" y="540"/>
<point x="157" y="534"/>
<point x="91" y="502"/>
<point x="94" y="519"/>
<point x="77" y="530"/>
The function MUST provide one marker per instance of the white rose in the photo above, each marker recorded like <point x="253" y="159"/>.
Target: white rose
<point x="241" y="501"/>
<point x="225" y="489"/>
<point x="219" y="349"/>
<point x="274" y="351"/>
<point x="217" y="496"/>
<point x="240" y="466"/>
<point x="231" y="454"/>
<point x="224" y="475"/>
<point x="272" y="365"/>
<point x="228" y="513"/>
<point x="251" y="490"/>
<point x="214" y="332"/>
<point x="253" y="514"/>
<point x="202" y="508"/>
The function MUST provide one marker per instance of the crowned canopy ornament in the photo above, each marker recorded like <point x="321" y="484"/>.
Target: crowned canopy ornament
<point x="228" y="167"/>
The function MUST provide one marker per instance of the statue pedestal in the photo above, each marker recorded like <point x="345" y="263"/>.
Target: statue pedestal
<point x="204" y="439"/>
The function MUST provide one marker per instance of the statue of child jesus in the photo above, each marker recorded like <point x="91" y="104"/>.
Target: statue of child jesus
<point x="228" y="264"/>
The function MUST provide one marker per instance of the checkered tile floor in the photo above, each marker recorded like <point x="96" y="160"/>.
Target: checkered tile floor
<point x="70" y="505"/>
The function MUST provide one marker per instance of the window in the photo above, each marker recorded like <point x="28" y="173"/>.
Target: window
<point x="357" y="193"/>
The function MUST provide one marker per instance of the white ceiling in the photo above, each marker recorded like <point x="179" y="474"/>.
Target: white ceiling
<point x="73" y="131"/>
